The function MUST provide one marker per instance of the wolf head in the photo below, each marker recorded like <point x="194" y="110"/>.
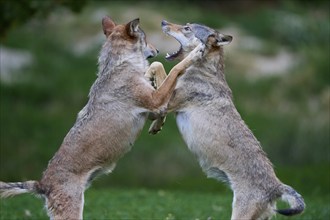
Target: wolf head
<point x="129" y="36"/>
<point x="190" y="35"/>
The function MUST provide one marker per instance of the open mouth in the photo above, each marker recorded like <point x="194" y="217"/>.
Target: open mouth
<point x="172" y="56"/>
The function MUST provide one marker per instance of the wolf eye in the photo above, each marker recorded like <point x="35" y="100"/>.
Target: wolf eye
<point x="187" y="28"/>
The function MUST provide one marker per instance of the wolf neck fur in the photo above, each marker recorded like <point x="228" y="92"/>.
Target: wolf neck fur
<point x="111" y="57"/>
<point x="214" y="61"/>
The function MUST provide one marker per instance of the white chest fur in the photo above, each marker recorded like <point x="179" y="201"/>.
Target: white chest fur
<point x="183" y="120"/>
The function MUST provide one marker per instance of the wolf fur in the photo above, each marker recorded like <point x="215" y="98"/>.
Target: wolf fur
<point x="106" y="128"/>
<point x="214" y="131"/>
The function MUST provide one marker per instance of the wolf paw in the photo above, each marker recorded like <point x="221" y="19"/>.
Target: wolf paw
<point x="198" y="52"/>
<point x="157" y="125"/>
<point x="154" y="130"/>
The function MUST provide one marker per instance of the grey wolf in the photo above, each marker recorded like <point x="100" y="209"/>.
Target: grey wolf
<point x="214" y="131"/>
<point x="106" y="128"/>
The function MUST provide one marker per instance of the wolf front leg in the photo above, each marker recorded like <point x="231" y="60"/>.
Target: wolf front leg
<point x="156" y="74"/>
<point x="196" y="54"/>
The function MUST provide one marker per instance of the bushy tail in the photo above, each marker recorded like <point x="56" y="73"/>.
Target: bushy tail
<point x="295" y="200"/>
<point x="13" y="189"/>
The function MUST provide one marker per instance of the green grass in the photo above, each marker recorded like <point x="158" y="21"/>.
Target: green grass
<point x="151" y="204"/>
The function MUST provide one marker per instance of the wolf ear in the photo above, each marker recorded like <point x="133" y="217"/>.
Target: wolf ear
<point x="211" y="40"/>
<point x="108" y="25"/>
<point x="218" y="40"/>
<point x="223" y="39"/>
<point x="132" y="27"/>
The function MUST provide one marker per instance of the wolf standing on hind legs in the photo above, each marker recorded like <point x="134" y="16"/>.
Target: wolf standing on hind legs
<point x="106" y="128"/>
<point x="215" y="132"/>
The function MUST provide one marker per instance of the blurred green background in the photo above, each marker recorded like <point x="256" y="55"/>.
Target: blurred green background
<point x="277" y="67"/>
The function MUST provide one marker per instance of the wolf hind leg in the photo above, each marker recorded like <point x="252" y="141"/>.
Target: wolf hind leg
<point x="65" y="204"/>
<point x="245" y="207"/>
<point x="242" y="211"/>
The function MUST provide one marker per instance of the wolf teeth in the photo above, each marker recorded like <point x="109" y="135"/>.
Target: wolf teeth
<point x="171" y="54"/>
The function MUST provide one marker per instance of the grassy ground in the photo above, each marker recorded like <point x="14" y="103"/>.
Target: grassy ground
<point x="150" y="204"/>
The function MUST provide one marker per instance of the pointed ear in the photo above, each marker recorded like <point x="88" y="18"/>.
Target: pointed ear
<point x="218" y="40"/>
<point x="211" y="40"/>
<point x="223" y="39"/>
<point x="108" y="25"/>
<point x="132" y="27"/>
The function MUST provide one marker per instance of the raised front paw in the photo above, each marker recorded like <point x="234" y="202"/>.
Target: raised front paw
<point x="198" y="52"/>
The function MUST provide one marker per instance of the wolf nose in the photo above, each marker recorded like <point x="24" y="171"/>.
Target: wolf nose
<point x="164" y="22"/>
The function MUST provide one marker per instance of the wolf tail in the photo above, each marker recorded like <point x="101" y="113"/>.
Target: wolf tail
<point x="295" y="200"/>
<point x="13" y="189"/>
